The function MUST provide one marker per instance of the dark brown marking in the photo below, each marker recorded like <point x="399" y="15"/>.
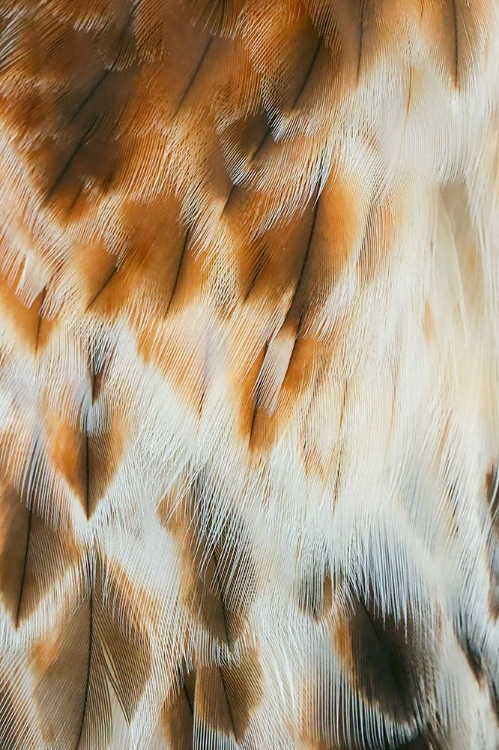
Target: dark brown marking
<point x="382" y="659"/>
<point x="177" y="273"/>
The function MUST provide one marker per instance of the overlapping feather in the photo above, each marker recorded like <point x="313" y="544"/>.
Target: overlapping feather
<point x="249" y="434"/>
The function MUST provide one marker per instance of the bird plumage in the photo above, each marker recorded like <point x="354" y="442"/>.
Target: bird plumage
<point x="249" y="433"/>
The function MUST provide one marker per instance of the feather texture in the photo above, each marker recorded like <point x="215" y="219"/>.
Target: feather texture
<point x="249" y="373"/>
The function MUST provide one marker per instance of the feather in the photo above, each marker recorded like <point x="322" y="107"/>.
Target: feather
<point x="218" y="701"/>
<point x="35" y="555"/>
<point x="213" y="572"/>
<point x="249" y="436"/>
<point x="88" y="660"/>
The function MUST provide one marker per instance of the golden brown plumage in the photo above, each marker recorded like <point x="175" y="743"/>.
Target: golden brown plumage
<point x="249" y="434"/>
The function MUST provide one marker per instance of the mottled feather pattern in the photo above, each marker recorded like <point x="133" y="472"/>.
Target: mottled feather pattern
<point x="249" y="432"/>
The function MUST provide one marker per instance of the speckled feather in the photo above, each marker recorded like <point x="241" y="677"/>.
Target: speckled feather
<point x="249" y="374"/>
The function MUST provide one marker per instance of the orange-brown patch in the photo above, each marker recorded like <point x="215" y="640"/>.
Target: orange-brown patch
<point x="150" y="260"/>
<point x="66" y="445"/>
<point x="180" y="359"/>
<point x="177" y="721"/>
<point x="268" y="423"/>
<point x="104" y="451"/>
<point x="25" y="320"/>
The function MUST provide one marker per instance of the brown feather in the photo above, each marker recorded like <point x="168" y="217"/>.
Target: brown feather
<point x="34" y="555"/>
<point x="213" y="570"/>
